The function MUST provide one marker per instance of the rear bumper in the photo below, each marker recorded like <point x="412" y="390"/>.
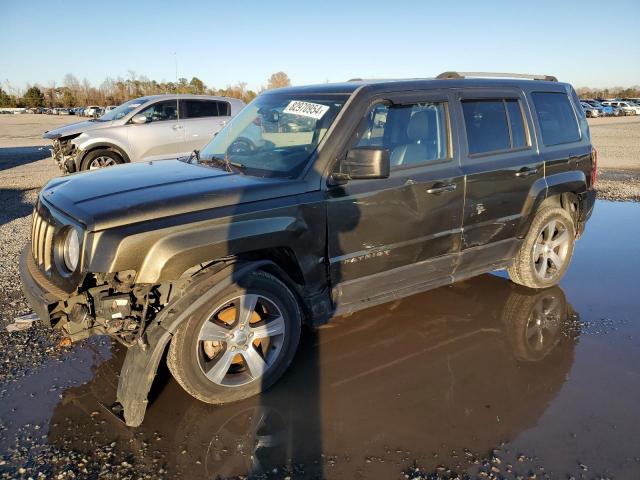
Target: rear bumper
<point x="39" y="297"/>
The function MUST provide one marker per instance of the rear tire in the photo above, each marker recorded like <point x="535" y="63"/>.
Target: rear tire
<point x="546" y="251"/>
<point x="101" y="158"/>
<point x="218" y="355"/>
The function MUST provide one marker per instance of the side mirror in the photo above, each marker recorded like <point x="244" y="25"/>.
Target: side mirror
<point x="365" y="163"/>
<point x="139" y="119"/>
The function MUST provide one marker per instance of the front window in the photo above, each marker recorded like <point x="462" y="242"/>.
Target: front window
<point x="123" y="110"/>
<point x="414" y="134"/>
<point x="274" y="135"/>
<point x="161" y="111"/>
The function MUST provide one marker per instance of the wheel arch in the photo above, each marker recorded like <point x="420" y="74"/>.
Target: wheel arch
<point x="102" y="146"/>
<point x="142" y="361"/>
<point x="280" y="261"/>
<point x="558" y="190"/>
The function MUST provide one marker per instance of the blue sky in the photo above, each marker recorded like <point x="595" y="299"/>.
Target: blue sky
<point x="224" y="42"/>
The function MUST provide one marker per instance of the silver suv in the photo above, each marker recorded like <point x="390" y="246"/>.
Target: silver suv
<point x="147" y="128"/>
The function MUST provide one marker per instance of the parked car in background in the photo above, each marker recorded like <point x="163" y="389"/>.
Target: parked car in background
<point x="147" y="128"/>
<point x="92" y="111"/>
<point x="382" y="190"/>
<point x="607" y="110"/>
<point x="617" y="111"/>
<point x="589" y="110"/>
<point x="109" y="108"/>
<point x="628" y="107"/>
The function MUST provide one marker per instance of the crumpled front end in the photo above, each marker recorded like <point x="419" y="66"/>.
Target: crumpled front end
<point x="64" y="153"/>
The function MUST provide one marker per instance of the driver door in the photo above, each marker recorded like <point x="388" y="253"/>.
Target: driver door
<point x="161" y="137"/>
<point x="394" y="236"/>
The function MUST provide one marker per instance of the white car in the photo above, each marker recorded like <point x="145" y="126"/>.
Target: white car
<point x="91" y="111"/>
<point x="624" y="107"/>
<point x="628" y="108"/>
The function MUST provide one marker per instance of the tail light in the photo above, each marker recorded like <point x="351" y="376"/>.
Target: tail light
<point x="594" y="166"/>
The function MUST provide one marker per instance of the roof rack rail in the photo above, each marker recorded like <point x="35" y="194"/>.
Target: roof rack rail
<point x="457" y="75"/>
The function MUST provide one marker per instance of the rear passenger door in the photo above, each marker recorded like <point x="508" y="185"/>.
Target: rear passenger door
<point x="202" y="120"/>
<point x="501" y="164"/>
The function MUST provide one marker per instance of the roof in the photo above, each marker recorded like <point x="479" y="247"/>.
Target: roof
<point x="188" y="96"/>
<point x="412" y="84"/>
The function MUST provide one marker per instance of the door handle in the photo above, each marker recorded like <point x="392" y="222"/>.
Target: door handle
<point x="526" y="172"/>
<point x="438" y="188"/>
<point x="177" y="127"/>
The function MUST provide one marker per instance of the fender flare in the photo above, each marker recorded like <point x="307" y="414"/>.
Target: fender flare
<point x="141" y="362"/>
<point x="573" y="181"/>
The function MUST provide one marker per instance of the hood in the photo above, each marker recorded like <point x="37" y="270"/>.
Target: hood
<point x="138" y="192"/>
<point x="75" y="128"/>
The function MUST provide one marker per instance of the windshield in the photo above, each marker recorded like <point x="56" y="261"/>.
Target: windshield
<point x="123" y="110"/>
<point x="274" y="135"/>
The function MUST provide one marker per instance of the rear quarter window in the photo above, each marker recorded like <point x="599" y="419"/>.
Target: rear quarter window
<point x="557" y="119"/>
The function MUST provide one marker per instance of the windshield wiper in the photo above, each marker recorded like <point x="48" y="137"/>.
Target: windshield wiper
<point x="195" y="154"/>
<point x="227" y="164"/>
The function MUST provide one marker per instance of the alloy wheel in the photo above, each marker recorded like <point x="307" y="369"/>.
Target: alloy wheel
<point x="102" y="162"/>
<point x="241" y="340"/>
<point x="551" y="249"/>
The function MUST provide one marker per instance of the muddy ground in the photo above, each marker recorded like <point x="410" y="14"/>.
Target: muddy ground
<point x="480" y="379"/>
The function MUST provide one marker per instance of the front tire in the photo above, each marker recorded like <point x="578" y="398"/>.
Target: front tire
<point x="100" y="159"/>
<point x="546" y="251"/>
<point x="240" y="343"/>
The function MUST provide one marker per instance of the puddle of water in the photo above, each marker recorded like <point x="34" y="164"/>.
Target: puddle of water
<point x="481" y="371"/>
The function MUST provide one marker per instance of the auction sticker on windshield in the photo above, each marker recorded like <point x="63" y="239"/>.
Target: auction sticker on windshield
<point x="306" y="109"/>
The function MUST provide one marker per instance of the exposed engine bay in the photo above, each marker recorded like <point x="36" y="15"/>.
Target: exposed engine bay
<point x="113" y="306"/>
<point x="63" y="152"/>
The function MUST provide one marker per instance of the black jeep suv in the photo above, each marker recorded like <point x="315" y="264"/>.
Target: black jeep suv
<point x="313" y="202"/>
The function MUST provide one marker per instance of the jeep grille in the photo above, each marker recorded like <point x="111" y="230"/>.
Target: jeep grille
<point x="42" y="240"/>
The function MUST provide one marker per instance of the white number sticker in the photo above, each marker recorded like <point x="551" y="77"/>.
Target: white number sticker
<point x="306" y="109"/>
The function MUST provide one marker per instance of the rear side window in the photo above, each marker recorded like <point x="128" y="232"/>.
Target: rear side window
<point x="205" y="108"/>
<point x="494" y="125"/>
<point x="558" y="123"/>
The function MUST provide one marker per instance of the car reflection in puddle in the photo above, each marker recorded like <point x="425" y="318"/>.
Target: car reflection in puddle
<point x="420" y="380"/>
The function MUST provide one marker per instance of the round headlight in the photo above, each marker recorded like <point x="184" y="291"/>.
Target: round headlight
<point x="71" y="249"/>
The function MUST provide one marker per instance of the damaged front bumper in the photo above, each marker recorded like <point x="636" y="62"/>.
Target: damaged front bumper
<point x="39" y="292"/>
<point x="64" y="154"/>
